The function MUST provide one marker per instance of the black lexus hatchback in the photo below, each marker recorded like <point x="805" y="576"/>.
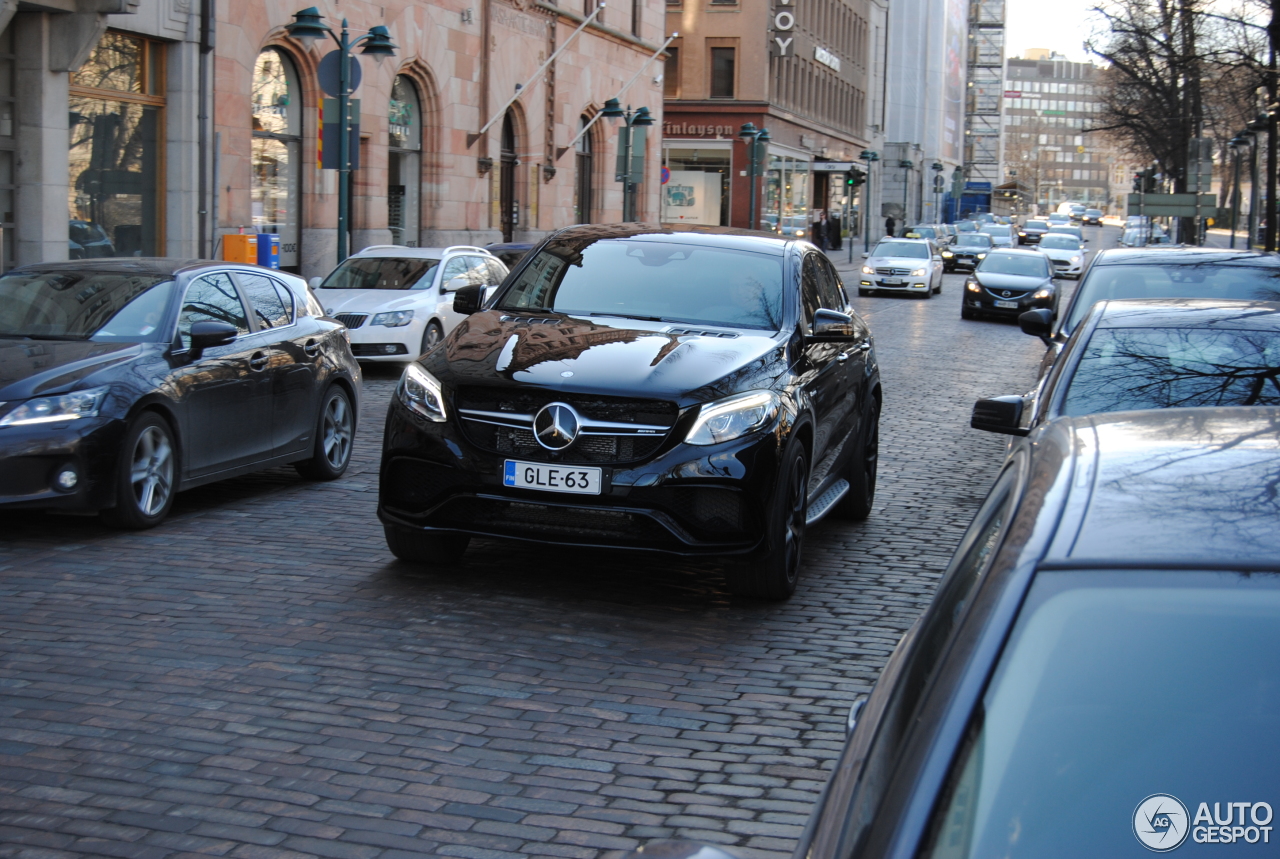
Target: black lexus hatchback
<point x="694" y="391"/>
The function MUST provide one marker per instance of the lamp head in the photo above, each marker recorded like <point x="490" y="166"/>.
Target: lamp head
<point x="613" y="111"/>
<point x="937" y="167"/>
<point x="378" y="44"/>
<point x="642" y="117"/>
<point x="307" y="27"/>
<point x="763" y="136"/>
<point x="748" y="131"/>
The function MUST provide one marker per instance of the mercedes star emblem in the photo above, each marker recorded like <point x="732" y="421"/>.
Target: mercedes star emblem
<point x="556" y="425"/>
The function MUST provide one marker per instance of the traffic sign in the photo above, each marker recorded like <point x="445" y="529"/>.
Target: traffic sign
<point x="328" y="70"/>
<point x="1171" y="205"/>
<point x="666" y="175"/>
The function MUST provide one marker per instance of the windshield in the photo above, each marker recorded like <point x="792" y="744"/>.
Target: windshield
<point x="922" y="232"/>
<point x="382" y="273"/>
<point x="1089" y="713"/>
<point x="1093" y="213"/>
<point x="996" y="230"/>
<point x="908" y="250"/>
<point x="84" y="306"/>
<point x="1165" y="368"/>
<point x="1025" y="266"/>
<point x="966" y="227"/>
<point x="643" y="279"/>
<point x="974" y="240"/>
<point x="1059" y="242"/>
<point x="1188" y="280"/>
<point x="1037" y="225"/>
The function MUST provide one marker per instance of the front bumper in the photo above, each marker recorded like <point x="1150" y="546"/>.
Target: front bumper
<point x="894" y="284"/>
<point x="684" y="500"/>
<point x="30" y="458"/>
<point x="1067" y="269"/>
<point x="380" y="343"/>
<point x="1029" y="238"/>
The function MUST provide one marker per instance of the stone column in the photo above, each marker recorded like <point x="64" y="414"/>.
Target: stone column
<point x="41" y="168"/>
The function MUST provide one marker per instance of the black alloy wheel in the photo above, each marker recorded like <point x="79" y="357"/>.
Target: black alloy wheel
<point x="145" y="475"/>
<point x="773" y="573"/>
<point x="335" y="432"/>
<point x="431" y="337"/>
<point x="862" y="469"/>
<point x="428" y="548"/>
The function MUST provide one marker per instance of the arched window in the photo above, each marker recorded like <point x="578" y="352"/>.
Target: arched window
<point x="404" y="162"/>
<point x="277" y="152"/>
<point x="582" y="192"/>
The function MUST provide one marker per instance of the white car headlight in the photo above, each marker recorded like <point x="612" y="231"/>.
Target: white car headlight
<point x="866" y="269"/>
<point x="732" y="417"/>
<point x="421" y="392"/>
<point x="64" y="407"/>
<point x="393" y="318"/>
<point x="918" y="273"/>
<point x="1075" y="260"/>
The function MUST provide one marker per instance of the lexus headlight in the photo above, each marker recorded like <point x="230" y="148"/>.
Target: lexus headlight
<point x="732" y="417"/>
<point x="393" y="318"/>
<point x="1043" y="293"/>
<point x="421" y="392"/>
<point x="866" y="269"/>
<point x="65" y="407"/>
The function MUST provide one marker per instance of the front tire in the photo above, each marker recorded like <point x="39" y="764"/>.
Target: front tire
<point x="773" y="574"/>
<point x="431" y="337"/>
<point x="145" y="475"/>
<point x="426" y="547"/>
<point x="335" y="432"/>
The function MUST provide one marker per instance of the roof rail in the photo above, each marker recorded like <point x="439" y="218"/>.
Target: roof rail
<point x="465" y="248"/>
<point x="380" y="247"/>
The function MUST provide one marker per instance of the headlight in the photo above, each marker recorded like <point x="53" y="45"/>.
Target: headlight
<point x="1021" y="233"/>
<point x="982" y="256"/>
<point x="866" y="269"/>
<point x="918" y="273"/>
<point x="947" y="254"/>
<point x="65" y="407"/>
<point x="393" y="318"/>
<point x="1075" y="260"/>
<point x="732" y="417"/>
<point x="972" y="286"/>
<point x="1043" y="293"/>
<point x="800" y="233"/>
<point x="420" y="392"/>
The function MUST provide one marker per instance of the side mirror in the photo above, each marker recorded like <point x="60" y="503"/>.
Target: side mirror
<point x="1037" y="323"/>
<point x="831" y="325"/>
<point x="207" y="334"/>
<point x="865" y="255"/>
<point x="456" y="283"/>
<point x="999" y="414"/>
<point x="314" y="283"/>
<point x="467" y="299"/>
<point x="854" y="712"/>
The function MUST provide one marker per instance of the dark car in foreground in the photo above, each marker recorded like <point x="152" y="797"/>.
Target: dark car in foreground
<point x="1030" y="232"/>
<point x="123" y="382"/>
<point x="685" y="390"/>
<point x="1009" y="282"/>
<point x="1117" y="560"/>
<point x="1168" y="273"/>
<point x="1153" y="354"/>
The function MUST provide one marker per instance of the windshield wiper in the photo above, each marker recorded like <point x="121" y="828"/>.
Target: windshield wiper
<point x="630" y="316"/>
<point x="15" y="336"/>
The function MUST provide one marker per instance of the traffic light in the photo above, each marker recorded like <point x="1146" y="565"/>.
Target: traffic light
<point x="1149" y="180"/>
<point x="1137" y="183"/>
<point x="854" y="178"/>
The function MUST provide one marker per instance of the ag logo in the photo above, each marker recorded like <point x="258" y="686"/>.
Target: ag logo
<point x="1160" y="822"/>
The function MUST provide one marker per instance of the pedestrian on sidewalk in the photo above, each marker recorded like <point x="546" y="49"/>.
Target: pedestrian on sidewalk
<point x="889" y="224"/>
<point x="822" y="231"/>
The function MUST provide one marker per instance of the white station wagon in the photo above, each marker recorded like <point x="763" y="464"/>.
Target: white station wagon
<point x="397" y="302"/>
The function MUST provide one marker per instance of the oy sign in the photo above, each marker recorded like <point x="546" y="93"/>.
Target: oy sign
<point x="784" y="21"/>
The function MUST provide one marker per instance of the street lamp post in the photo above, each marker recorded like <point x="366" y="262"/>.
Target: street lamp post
<point x="937" y="191"/>
<point x="1236" y="143"/>
<point x="753" y="138"/>
<point x="627" y="121"/>
<point x="906" y="165"/>
<point x="1017" y="191"/>
<point x="870" y="156"/>
<point x="308" y="26"/>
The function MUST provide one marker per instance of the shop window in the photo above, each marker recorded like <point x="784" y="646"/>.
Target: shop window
<point x="786" y="195"/>
<point x="277" y="152"/>
<point x="671" y="73"/>
<point x="404" y="162"/>
<point x="583" y="190"/>
<point x="7" y="146"/>
<point x="697" y="188"/>
<point x="722" y="72"/>
<point x="116" y="126"/>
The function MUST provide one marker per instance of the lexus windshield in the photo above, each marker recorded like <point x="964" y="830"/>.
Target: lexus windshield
<point x="653" y="280"/>
<point x="381" y="273"/>
<point x="67" y="305"/>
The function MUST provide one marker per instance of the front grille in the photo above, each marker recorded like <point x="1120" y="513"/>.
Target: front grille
<point x="516" y="440"/>
<point x="543" y="521"/>
<point x="895" y="272"/>
<point x="352" y="320"/>
<point x="370" y="350"/>
<point x="414" y="486"/>
<point x="1014" y="294"/>
<point x="718" y="512"/>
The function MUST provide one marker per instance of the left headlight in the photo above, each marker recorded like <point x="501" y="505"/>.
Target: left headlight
<point x="1075" y="260"/>
<point x="421" y="393"/>
<point x="866" y="269"/>
<point x="918" y="273"/>
<point x="393" y="318"/>
<point x="64" y="407"/>
<point x="972" y="286"/>
<point x="1043" y="293"/>
<point x="732" y="417"/>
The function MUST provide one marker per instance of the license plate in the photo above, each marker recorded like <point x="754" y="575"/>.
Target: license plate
<point x="891" y="283"/>
<point x="578" y="479"/>
<point x="1009" y="304"/>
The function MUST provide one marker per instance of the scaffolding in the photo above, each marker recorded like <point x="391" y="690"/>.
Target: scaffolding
<point x="986" y="80"/>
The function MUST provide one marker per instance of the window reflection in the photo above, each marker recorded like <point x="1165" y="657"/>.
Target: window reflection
<point x="276" y="152"/>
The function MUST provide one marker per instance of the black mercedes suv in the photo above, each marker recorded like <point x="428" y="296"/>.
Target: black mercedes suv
<point x="687" y="390"/>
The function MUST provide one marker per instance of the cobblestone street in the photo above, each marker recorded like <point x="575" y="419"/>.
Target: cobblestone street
<point x="259" y="678"/>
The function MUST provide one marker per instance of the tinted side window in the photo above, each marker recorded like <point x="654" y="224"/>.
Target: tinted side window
<point x="810" y="288"/>
<point x="970" y="563"/>
<point x="264" y="297"/>
<point x="829" y="286"/>
<point x="212" y="298"/>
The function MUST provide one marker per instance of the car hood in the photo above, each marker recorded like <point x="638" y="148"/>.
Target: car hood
<point x="606" y="355"/>
<point x="897" y="262"/>
<point x="30" y="368"/>
<point x="337" y="301"/>
<point x="992" y="280"/>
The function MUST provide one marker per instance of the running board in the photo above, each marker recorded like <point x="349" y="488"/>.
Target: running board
<point x="824" y="503"/>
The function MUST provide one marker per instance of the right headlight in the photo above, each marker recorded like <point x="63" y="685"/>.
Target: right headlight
<point x="421" y="393"/>
<point x="733" y="417"/>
